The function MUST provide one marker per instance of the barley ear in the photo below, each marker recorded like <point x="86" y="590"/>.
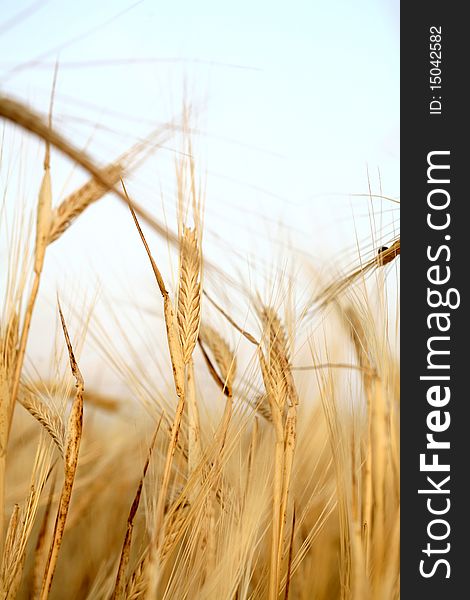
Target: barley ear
<point x="43" y="220"/>
<point x="174" y="343"/>
<point x="189" y="292"/>
<point x="45" y="415"/>
<point x="280" y="387"/>
<point x="223" y="355"/>
<point x="74" y="204"/>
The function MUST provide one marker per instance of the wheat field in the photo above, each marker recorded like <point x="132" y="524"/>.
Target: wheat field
<point x="255" y="451"/>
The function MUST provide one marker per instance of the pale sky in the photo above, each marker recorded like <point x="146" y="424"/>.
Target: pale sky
<point x="305" y="93"/>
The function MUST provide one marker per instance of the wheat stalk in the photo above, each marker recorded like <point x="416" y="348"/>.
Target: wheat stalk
<point x="119" y="586"/>
<point x="41" y="548"/>
<point x="11" y="386"/>
<point x="8" y="358"/>
<point x="13" y="558"/>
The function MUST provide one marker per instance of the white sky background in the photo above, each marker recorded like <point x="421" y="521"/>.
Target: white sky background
<point x="297" y="101"/>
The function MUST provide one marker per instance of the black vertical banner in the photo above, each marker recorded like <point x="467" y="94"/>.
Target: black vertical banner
<point x="435" y="269"/>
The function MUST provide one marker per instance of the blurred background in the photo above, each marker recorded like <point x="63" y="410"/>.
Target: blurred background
<point x="294" y="125"/>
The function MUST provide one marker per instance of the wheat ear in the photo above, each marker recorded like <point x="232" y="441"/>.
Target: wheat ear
<point x="46" y="416"/>
<point x="282" y="395"/>
<point x="74" y="434"/>
<point x="189" y="292"/>
<point x="189" y="318"/>
<point x="223" y="355"/>
<point x="74" y="204"/>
